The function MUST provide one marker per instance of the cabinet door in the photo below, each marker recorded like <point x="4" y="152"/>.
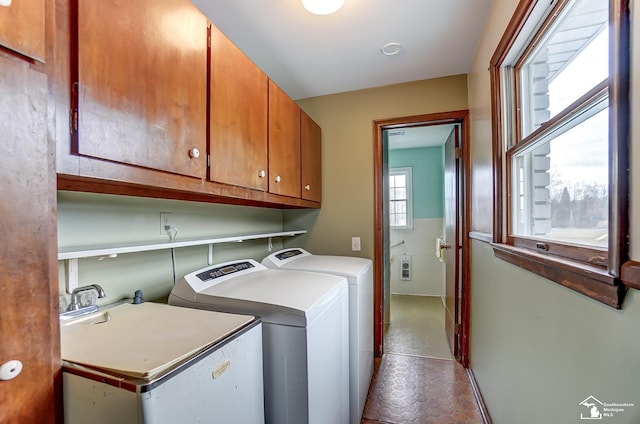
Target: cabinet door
<point x="311" y="152"/>
<point x="142" y="73"/>
<point x="28" y="270"/>
<point x="238" y="116"/>
<point x="22" y="28"/>
<point x="284" y="143"/>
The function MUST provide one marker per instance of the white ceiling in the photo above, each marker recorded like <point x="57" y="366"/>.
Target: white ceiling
<point x="416" y="137"/>
<point x="309" y="55"/>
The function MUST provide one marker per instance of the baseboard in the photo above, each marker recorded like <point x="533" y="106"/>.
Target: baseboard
<point x="486" y="418"/>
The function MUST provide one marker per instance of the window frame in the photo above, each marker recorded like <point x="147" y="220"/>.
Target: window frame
<point x="589" y="271"/>
<point x="407" y="171"/>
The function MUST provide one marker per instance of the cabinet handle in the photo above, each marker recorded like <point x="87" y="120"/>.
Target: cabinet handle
<point x="277" y="178"/>
<point x="5" y="3"/>
<point x="262" y="174"/>
<point x="307" y="187"/>
<point x="194" y="153"/>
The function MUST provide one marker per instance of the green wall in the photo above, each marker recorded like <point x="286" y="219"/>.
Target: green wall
<point x="427" y="177"/>
<point x="98" y="220"/>
<point x="537" y="348"/>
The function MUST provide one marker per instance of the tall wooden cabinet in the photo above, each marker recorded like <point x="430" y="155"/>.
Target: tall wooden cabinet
<point x="238" y="116"/>
<point x="141" y="84"/>
<point x="284" y="143"/>
<point x="28" y="270"/>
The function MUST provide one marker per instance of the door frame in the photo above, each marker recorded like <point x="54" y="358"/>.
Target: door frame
<point x="461" y="117"/>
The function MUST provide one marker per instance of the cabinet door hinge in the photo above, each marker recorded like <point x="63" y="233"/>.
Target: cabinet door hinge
<point x="208" y="160"/>
<point x="73" y="121"/>
<point x="456" y="329"/>
<point x="458" y="152"/>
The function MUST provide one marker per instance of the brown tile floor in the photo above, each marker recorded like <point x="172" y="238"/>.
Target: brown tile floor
<point x="419" y="390"/>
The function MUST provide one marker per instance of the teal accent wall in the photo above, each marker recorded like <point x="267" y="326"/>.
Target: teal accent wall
<point x="428" y="178"/>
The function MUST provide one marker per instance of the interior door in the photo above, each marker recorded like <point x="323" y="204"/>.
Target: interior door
<point x="451" y="244"/>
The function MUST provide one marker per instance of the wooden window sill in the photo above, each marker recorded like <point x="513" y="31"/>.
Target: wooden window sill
<point x="591" y="281"/>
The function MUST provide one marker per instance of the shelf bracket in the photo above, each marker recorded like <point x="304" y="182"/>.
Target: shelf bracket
<point x="270" y="244"/>
<point x="210" y="254"/>
<point x="71" y="274"/>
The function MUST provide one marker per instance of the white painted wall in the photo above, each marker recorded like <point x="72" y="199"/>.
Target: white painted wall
<point x="427" y="271"/>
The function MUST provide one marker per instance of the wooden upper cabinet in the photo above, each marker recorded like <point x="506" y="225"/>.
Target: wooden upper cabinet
<point x="238" y="116"/>
<point x="311" y="153"/>
<point x="284" y="143"/>
<point x="142" y="84"/>
<point x="22" y="28"/>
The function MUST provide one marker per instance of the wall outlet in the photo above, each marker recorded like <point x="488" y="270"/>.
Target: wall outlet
<point x="164" y="220"/>
<point x="355" y="244"/>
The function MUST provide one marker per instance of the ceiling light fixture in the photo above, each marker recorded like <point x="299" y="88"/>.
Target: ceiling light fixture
<point x="390" y="49"/>
<point x="322" y="7"/>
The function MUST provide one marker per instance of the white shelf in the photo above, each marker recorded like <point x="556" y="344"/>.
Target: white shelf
<point x="98" y="251"/>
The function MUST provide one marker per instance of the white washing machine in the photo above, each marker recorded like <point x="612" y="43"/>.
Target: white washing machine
<point x="305" y="333"/>
<point x="359" y="274"/>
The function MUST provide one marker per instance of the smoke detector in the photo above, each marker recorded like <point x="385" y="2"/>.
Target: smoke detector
<point x="391" y="49"/>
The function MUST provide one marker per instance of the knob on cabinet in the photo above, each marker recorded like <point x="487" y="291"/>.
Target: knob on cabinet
<point x="262" y="173"/>
<point x="307" y="187"/>
<point x="277" y="179"/>
<point x="194" y="153"/>
<point x="10" y="369"/>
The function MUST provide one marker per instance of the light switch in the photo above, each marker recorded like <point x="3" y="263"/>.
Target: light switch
<point x="355" y="244"/>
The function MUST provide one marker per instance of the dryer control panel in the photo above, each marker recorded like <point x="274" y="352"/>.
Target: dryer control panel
<point x="288" y="254"/>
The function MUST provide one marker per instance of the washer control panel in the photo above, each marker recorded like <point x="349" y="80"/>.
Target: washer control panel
<point x="221" y="271"/>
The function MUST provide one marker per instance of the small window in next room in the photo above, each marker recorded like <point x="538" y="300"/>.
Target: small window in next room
<point x="560" y="120"/>
<point x="400" y="202"/>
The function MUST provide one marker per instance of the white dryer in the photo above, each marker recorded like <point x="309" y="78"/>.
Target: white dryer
<point x="359" y="274"/>
<point x="305" y="333"/>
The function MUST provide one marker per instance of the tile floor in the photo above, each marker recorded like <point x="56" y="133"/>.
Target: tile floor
<point x="417" y="327"/>
<point x="416" y="389"/>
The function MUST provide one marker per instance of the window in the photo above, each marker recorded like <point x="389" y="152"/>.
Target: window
<point x="400" y="195"/>
<point x="560" y="119"/>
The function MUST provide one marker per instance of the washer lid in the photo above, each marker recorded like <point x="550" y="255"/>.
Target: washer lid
<point x="146" y="340"/>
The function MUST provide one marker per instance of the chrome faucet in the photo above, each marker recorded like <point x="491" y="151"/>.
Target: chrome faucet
<point x="75" y="295"/>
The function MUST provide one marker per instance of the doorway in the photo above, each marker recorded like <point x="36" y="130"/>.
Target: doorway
<point x="390" y="247"/>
